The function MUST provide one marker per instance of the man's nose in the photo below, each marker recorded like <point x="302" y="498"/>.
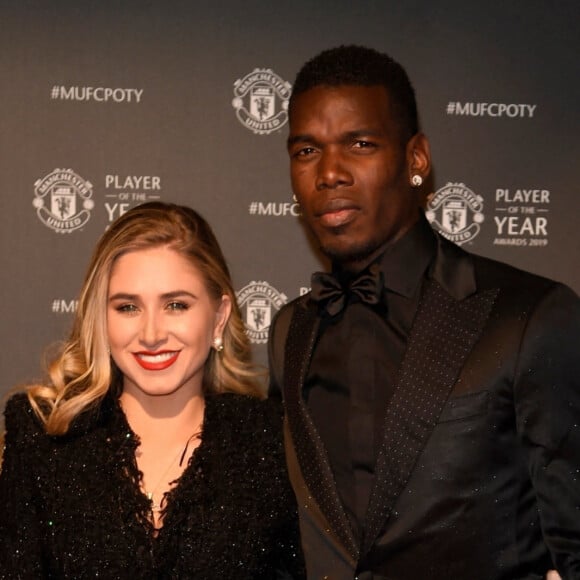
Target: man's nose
<point x="332" y="171"/>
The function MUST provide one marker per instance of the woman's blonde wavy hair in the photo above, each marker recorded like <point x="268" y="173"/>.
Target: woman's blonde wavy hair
<point x="84" y="372"/>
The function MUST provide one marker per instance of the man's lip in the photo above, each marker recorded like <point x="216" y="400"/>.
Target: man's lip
<point x="156" y="361"/>
<point x="337" y="212"/>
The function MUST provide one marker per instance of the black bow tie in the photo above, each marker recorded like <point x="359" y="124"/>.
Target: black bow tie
<point x="367" y="287"/>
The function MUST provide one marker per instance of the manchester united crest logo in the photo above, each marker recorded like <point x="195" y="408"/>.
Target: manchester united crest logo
<point x="261" y="101"/>
<point x="63" y="200"/>
<point x="456" y="212"/>
<point x="259" y="302"/>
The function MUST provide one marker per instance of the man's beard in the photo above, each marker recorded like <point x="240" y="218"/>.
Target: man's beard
<point x="352" y="254"/>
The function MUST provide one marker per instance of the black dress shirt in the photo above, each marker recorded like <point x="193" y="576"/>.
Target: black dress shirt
<point x="355" y="363"/>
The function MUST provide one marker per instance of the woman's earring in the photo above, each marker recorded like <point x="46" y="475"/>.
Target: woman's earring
<point x="416" y="180"/>
<point x="218" y="344"/>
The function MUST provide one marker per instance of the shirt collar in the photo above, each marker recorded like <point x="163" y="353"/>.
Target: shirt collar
<point x="405" y="261"/>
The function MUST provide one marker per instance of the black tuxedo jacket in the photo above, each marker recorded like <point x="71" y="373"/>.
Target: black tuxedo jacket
<point x="478" y="476"/>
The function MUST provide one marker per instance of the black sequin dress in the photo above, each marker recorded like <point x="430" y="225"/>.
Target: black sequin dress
<point x="71" y="506"/>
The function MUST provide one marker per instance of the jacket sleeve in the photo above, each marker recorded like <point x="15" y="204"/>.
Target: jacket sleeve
<point x="547" y="403"/>
<point x="20" y="525"/>
<point x="276" y="345"/>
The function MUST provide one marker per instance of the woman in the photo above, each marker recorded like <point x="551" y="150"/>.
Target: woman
<point x="149" y="453"/>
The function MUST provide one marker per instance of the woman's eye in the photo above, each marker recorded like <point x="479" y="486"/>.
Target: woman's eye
<point x="175" y="306"/>
<point x="126" y="308"/>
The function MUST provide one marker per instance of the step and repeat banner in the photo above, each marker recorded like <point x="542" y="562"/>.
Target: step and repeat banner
<point x="105" y="105"/>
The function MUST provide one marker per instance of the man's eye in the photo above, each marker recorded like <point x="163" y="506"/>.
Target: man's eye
<point x="304" y="152"/>
<point x="363" y="144"/>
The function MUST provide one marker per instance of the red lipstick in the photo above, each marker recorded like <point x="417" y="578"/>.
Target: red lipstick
<point x="156" y="361"/>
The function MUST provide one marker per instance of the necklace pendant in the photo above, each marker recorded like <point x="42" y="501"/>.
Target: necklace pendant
<point x="154" y="507"/>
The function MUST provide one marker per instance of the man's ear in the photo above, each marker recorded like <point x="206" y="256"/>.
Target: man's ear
<point x="419" y="156"/>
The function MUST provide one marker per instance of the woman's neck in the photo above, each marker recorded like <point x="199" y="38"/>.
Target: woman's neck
<point x="168" y="436"/>
<point x="162" y="420"/>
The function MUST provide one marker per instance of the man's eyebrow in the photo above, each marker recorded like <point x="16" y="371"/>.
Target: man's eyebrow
<point x="345" y="138"/>
<point x="303" y="138"/>
<point x="362" y="133"/>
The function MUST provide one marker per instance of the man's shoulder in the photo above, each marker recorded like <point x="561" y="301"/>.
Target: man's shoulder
<point x="493" y="273"/>
<point x="282" y="318"/>
<point x="301" y="301"/>
<point x="278" y="333"/>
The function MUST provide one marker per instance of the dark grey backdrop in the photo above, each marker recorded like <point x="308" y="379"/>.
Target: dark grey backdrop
<point x="169" y="129"/>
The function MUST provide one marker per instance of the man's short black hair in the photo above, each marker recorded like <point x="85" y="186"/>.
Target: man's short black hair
<point x="362" y="66"/>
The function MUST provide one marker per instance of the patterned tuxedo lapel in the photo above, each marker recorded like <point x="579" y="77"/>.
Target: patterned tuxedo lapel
<point x="443" y="334"/>
<point x="308" y="447"/>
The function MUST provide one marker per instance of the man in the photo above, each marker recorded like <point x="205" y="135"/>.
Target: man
<point x="432" y="396"/>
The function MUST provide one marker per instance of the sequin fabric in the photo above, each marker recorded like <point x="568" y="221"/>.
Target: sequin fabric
<point x="71" y="506"/>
